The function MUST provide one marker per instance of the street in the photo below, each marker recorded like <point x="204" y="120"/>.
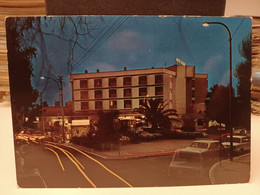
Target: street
<point x="54" y="166"/>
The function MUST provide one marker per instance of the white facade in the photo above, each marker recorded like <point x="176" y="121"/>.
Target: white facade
<point x="124" y="90"/>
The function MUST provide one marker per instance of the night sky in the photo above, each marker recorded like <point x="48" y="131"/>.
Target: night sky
<point x="143" y="42"/>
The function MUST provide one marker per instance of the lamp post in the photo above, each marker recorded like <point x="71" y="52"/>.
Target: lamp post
<point x="206" y="24"/>
<point x="43" y="125"/>
<point x="59" y="83"/>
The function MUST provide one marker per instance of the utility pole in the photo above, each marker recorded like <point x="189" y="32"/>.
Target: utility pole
<point x="231" y="151"/>
<point x="59" y="83"/>
<point x="43" y="124"/>
<point x="62" y="111"/>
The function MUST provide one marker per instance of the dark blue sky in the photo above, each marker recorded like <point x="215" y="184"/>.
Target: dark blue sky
<point x="145" y="42"/>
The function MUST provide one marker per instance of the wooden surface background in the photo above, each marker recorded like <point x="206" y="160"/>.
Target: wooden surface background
<point x="13" y="8"/>
<point x="95" y="7"/>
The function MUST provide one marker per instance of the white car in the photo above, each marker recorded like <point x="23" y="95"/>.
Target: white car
<point x="196" y="158"/>
<point x="241" y="143"/>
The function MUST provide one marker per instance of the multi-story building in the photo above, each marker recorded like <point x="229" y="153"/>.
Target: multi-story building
<point x="177" y="85"/>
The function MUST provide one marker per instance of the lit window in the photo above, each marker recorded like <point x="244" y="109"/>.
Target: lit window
<point x="112" y="104"/>
<point x="98" y="83"/>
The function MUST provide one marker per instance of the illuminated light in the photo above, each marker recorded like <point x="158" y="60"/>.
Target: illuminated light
<point x="205" y="24"/>
<point x="42" y="77"/>
<point x="180" y="61"/>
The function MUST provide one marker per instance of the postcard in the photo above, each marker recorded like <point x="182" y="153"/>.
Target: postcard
<point x="130" y="101"/>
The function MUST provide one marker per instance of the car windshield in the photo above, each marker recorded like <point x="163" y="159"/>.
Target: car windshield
<point x="199" y="145"/>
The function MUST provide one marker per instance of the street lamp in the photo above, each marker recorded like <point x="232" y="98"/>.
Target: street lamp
<point x="206" y="24"/>
<point x="59" y="83"/>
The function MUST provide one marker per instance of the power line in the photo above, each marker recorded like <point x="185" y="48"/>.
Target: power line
<point x="100" y="40"/>
<point x="238" y="27"/>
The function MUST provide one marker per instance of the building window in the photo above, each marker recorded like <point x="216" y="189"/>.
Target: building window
<point x="112" y="82"/>
<point x="127" y="104"/>
<point x="83" y="83"/>
<point x="127" y="81"/>
<point x="84" y="105"/>
<point x="127" y="93"/>
<point x="142" y="80"/>
<point x="158" y="90"/>
<point x="98" y="94"/>
<point x="142" y="101"/>
<point x="158" y="79"/>
<point x="112" y="93"/>
<point x="142" y="91"/>
<point x="160" y="101"/>
<point x="98" y="83"/>
<point x="193" y="83"/>
<point x="112" y="104"/>
<point x="98" y="105"/>
<point x="84" y="95"/>
<point x="193" y="93"/>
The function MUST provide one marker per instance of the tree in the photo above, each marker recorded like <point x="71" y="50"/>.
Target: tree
<point x="218" y="104"/>
<point x="24" y="35"/>
<point x="243" y="74"/>
<point x="154" y="113"/>
<point x="106" y="129"/>
<point x="20" y="72"/>
<point x="32" y="113"/>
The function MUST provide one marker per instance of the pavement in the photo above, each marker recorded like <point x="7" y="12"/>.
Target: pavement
<point x="227" y="172"/>
<point x="224" y="172"/>
<point x="143" y="149"/>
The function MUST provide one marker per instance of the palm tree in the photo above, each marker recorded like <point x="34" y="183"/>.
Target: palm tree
<point x="154" y="113"/>
<point x="107" y="132"/>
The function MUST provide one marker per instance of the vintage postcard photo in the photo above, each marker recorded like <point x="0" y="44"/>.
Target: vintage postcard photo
<point x="130" y="101"/>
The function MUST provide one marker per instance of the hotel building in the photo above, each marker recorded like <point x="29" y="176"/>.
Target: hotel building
<point x="177" y="85"/>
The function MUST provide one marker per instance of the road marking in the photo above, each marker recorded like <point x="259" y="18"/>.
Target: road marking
<point x="74" y="158"/>
<point x="120" y="178"/>
<point x="82" y="172"/>
<point x="57" y="157"/>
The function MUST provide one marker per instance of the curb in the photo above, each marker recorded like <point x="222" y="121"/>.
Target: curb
<point x="124" y="156"/>
<point x="212" y="169"/>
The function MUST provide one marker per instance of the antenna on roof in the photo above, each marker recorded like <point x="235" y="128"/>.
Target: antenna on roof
<point x="165" y="64"/>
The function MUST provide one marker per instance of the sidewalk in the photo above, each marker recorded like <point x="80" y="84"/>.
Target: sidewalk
<point x="143" y="149"/>
<point x="228" y="172"/>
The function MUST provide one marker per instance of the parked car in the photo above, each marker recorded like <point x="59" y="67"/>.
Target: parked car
<point x="240" y="131"/>
<point x="241" y="144"/>
<point x="30" y="136"/>
<point x="196" y="158"/>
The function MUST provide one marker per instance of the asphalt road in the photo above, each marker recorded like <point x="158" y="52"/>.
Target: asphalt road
<point x="53" y="166"/>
